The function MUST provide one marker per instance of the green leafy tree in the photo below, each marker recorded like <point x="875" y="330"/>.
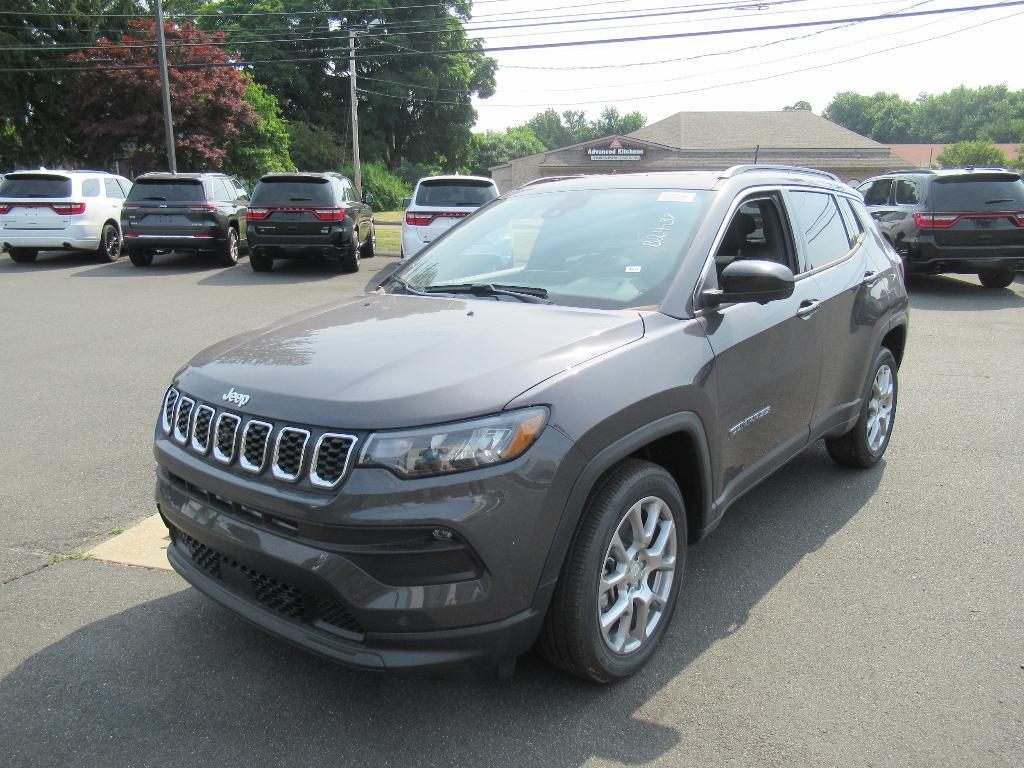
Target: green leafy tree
<point x="262" y="146"/>
<point x="611" y="122"/>
<point x="800" y="106"/>
<point x="314" y="148"/>
<point x="975" y="153"/>
<point x="572" y="127"/>
<point x="497" y="147"/>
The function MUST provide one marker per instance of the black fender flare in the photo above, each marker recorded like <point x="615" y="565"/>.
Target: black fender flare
<point x="685" y="421"/>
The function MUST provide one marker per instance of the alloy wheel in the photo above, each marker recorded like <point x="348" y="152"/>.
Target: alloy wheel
<point x="880" y="409"/>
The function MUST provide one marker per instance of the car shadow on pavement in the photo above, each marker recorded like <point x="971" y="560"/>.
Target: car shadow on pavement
<point x="950" y="292"/>
<point x="179" y="680"/>
<point x="292" y="271"/>
<point x="52" y="260"/>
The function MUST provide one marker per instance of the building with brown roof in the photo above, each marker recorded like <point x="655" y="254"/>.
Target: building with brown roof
<point x="711" y="140"/>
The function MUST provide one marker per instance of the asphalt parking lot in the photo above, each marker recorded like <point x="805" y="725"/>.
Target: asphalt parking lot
<point x="835" y="618"/>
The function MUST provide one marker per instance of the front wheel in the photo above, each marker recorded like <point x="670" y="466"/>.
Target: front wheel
<point x="621" y="577"/>
<point x="23" y="255"/>
<point x="996" y="278"/>
<point x="863" y="446"/>
<point x="110" y="243"/>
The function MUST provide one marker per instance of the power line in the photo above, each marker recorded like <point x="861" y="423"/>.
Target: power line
<point x="563" y="44"/>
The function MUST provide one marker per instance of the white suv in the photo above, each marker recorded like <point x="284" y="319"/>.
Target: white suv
<point x="437" y="204"/>
<point x="61" y="210"/>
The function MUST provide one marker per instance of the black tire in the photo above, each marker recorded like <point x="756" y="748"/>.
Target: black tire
<point x="854" y="449"/>
<point x="227" y="254"/>
<point x="110" y="243"/>
<point x="369" y="249"/>
<point x="260" y="261"/>
<point x="571" y="638"/>
<point x="23" y="255"/>
<point x="348" y="257"/>
<point x="140" y="258"/>
<point x="996" y="278"/>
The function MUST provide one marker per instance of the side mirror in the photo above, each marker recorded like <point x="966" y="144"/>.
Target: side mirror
<point x="368" y="198"/>
<point x="406" y="202"/>
<point x="381" y="277"/>
<point x="751" y="281"/>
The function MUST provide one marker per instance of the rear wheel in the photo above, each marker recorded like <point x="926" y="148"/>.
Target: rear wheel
<point x="260" y="261"/>
<point x="348" y="259"/>
<point x="228" y="254"/>
<point x="140" y="258"/>
<point x="996" y="278"/>
<point x="621" y="577"/>
<point x="863" y="446"/>
<point x="369" y="249"/>
<point x="23" y="255"/>
<point x="110" y="243"/>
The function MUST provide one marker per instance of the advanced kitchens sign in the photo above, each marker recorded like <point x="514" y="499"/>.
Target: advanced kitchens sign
<point x="616" y="150"/>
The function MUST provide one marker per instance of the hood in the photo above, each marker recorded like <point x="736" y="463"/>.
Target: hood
<point x="386" y="361"/>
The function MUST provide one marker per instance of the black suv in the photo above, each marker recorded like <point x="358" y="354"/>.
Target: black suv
<point x="309" y="215"/>
<point x="184" y="212"/>
<point x="514" y="435"/>
<point x="966" y="221"/>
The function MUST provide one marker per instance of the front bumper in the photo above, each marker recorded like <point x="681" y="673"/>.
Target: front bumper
<point x="366" y="592"/>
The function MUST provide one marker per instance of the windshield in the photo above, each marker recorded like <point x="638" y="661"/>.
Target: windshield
<point x="287" y="191"/>
<point x="605" y="249"/>
<point x="35" y="185"/>
<point x="185" y="190"/>
<point x="995" y="192"/>
<point x="455" y="193"/>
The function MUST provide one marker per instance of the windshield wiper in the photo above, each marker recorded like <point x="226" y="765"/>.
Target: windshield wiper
<point x="406" y="288"/>
<point x="999" y="200"/>
<point x="523" y="293"/>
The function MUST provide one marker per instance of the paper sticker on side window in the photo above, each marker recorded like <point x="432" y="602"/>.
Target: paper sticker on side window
<point x="676" y="197"/>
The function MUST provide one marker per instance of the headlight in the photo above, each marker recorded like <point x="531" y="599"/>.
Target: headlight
<point x="449" y="448"/>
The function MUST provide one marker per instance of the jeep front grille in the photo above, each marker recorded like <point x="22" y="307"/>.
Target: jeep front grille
<point x="292" y="453"/>
<point x="254" y="445"/>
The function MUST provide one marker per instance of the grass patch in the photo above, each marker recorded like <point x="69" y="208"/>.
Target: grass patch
<point x="116" y="531"/>
<point x="64" y="558"/>
<point x="388" y="217"/>
<point x="389" y="240"/>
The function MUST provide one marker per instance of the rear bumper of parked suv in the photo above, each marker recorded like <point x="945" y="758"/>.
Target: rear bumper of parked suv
<point x="370" y="584"/>
<point x="78" y="236"/>
<point x="925" y="257"/>
<point x="173" y="242"/>
<point x="299" y="245"/>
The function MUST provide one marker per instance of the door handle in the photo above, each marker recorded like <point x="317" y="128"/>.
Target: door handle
<point x="808" y="307"/>
<point x="870" y="277"/>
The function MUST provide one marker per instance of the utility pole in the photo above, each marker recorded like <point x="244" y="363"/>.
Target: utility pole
<point x="161" y="52"/>
<point x="357" y="172"/>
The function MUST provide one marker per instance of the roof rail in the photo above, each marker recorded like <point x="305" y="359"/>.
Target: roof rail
<point x="546" y="179"/>
<point x="755" y="167"/>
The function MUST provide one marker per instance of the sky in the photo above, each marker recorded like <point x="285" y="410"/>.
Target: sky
<point x="907" y="56"/>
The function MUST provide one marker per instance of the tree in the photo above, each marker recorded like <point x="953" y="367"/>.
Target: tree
<point x="263" y="145"/>
<point x="117" y="113"/>
<point x="800" y="106"/>
<point x="314" y="148"/>
<point x="611" y="123"/>
<point x="976" y="153"/>
<point x="571" y="127"/>
<point x="497" y="147"/>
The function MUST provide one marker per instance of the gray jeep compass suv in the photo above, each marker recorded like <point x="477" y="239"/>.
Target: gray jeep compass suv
<point x="513" y="437"/>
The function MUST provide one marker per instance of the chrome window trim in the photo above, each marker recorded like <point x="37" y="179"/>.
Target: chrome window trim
<point x="277" y="450"/>
<point x="209" y="429"/>
<point x="217" y="454"/>
<point x="179" y="438"/>
<point x="243" y="462"/>
<point x="314" y="478"/>
<point x="166" y="425"/>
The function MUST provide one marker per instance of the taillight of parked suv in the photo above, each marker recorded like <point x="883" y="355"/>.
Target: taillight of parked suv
<point x="947" y="220"/>
<point x="62" y="209"/>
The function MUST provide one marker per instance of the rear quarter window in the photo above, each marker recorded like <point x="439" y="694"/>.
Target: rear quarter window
<point x="185" y="190"/>
<point x="35" y="185"/>
<point x="293" y="192"/>
<point x="451" y="193"/>
<point x="91" y="188"/>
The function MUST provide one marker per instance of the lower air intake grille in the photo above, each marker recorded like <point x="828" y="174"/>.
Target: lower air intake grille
<point x="278" y="596"/>
<point x="331" y="459"/>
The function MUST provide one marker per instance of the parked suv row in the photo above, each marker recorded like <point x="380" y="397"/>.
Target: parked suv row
<point x="967" y="221"/>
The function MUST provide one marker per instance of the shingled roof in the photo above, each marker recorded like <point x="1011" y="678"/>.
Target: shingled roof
<point x="746" y="130"/>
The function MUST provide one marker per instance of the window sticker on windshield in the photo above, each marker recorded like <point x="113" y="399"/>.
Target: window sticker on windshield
<point x="676" y="197"/>
<point x="633" y="269"/>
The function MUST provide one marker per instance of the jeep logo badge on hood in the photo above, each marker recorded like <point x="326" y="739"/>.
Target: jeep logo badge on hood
<point x="235" y="397"/>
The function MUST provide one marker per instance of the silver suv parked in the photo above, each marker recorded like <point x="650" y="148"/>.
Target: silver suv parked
<point x="514" y="437"/>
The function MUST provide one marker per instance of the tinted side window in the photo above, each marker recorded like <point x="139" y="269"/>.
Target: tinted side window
<point x="222" y="192"/>
<point x="878" y="192"/>
<point x="91" y="188"/>
<point x="113" y="189"/>
<point x="853" y="223"/>
<point x="817" y="218"/>
<point x="906" y="193"/>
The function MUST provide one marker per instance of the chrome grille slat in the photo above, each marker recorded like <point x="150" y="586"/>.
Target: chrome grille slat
<point x="167" y="414"/>
<point x="202" y="424"/>
<point x="330" y="459"/>
<point x="289" y="452"/>
<point x="225" y="435"/>
<point x="183" y="419"/>
<point x="253" y="451"/>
